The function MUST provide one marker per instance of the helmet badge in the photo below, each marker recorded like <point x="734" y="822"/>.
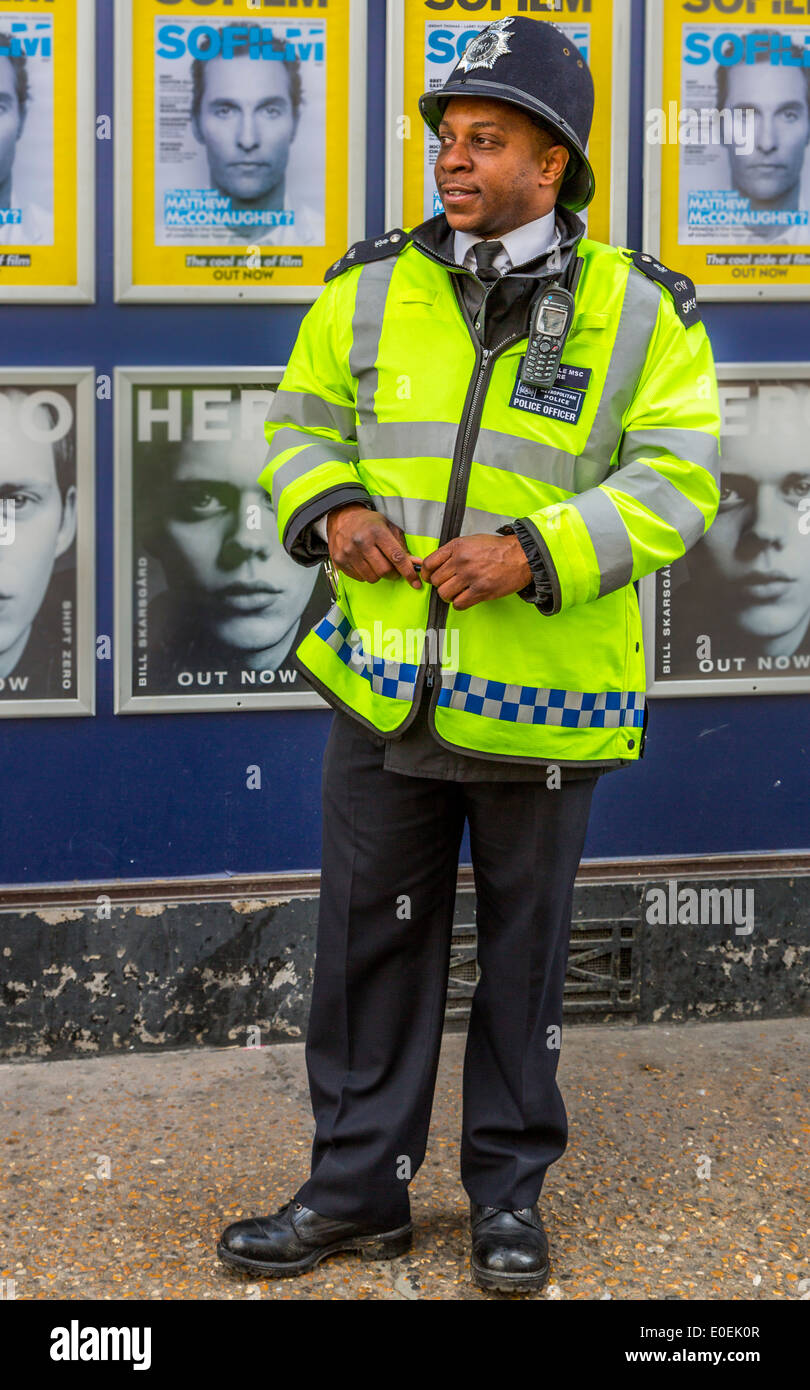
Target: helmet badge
<point x="490" y="45"/>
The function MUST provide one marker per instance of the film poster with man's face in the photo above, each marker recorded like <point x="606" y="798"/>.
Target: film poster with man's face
<point x="217" y="605"/>
<point x="731" y="125"/>
<point x="39" y="505"/>
<point x="240" y="132"/>
<point x="734" y="613"/>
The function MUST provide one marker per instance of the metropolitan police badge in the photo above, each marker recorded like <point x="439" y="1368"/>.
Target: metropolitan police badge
<point x="490" y="45"/>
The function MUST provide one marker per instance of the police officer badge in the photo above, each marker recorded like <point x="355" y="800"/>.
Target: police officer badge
<point x="490" y="45"/>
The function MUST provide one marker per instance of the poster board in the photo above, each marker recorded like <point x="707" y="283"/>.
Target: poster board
<point x="240" y="152"/>
<point x="209" y="605"/>
<point x="425" y="41"/>
<point x="47" y="542"/>
<point x="47" y="152"/>
<point x="732" y="616"/>
<point x="727" y="136"/>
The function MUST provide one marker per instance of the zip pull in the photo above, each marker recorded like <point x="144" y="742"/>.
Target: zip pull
<point x="429" y="678"/>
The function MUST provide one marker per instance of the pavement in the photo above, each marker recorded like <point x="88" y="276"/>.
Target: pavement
<point x="685" y="1175"/>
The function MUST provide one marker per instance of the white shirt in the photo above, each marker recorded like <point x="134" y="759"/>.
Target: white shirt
<point x="521" y="245"/>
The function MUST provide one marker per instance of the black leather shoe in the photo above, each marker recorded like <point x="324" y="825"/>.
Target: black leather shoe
<point x="509" y="1249"/>
<point x="296" y="1238"/>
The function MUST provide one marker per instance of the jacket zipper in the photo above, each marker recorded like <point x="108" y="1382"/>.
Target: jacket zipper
<point x="459" y="478"/>
<point x="471" y="415"/>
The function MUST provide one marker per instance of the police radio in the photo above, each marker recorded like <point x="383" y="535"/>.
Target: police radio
<point x="548" y="330"/>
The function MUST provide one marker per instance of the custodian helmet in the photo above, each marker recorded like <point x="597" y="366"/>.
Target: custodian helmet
<point x="529" y="63"/>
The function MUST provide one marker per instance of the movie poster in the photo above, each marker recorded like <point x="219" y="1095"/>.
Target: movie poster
<point x="426" y="40"/>
<point x="732" y="616"/>
<point x="47" y="144"/>
<point x="47" y="572"/>
<point x="727" y="138"/>
<point x="210" y="605"/>
<point x="241" y="147"/>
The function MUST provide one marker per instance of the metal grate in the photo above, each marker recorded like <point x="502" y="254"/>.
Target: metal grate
<point x="602" y="974"/>
<point x="464" y="971"/>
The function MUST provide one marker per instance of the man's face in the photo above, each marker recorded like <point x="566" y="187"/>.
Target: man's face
<point x="10" y="123"/>
<point x="756" y="555"/>
<point x="246" y="589"/>
<point x="246" y="123"/>
<point x="42" y="527"/>
<point x="495" y="170"/>
<point x="778" y="96"/>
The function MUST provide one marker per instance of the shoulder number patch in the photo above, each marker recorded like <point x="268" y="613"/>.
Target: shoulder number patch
<point x="375" y="249"/>
<point x="680" y="286"/>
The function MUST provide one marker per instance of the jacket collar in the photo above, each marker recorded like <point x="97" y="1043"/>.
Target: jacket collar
<point x="436" y="240"/>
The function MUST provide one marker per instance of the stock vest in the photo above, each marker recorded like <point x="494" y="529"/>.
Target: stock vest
<point x="389" y="398"/>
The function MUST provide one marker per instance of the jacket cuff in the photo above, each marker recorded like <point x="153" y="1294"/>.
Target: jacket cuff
<point x="301" y="540"/>
<point x="539" y="590"/>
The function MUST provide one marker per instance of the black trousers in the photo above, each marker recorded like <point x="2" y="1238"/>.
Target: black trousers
<point x="390" y="859"/>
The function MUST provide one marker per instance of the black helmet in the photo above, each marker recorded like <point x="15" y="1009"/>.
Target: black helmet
<point x="529" y="63"/>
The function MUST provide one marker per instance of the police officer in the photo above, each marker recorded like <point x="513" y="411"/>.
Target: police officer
<point x="494" y="426"/>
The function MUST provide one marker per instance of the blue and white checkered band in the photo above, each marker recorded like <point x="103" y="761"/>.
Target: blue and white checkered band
<point x="526" y="704"/>
<point x="515" y="704"/>
<point x="397" y="679"/>
<point x="490" y="45"/>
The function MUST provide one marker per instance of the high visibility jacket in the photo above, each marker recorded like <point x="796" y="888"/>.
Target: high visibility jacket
<point x="388" y="397"/>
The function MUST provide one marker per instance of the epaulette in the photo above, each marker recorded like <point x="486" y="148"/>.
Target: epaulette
<point x="680" y="286"/>
<point x="375" y="249"/>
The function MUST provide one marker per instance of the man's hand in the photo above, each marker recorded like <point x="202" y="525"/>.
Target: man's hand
<point x="471" y="569"/>
<point x="366" y="545"/>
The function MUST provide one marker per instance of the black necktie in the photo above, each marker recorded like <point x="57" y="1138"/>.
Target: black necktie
<point x="485" y="253"/>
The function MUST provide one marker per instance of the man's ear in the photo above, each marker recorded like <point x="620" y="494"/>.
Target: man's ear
<point x="195" y="127"/>
<point x="556" y="157"/>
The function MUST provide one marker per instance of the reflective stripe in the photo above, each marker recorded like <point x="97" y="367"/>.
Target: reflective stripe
<point x="367" y="326"/>
<point x="528" y="457"/>
<point x="609" y="537"/>
<point x="695" y="446"/>
<point x="528" y="704"/>
<point x="476" y="521"/>
<point x="310" y="456"/>
<point x="647" y="485"/>
<point x="418" y="439"/>
<point x="396" y="679"/>
<point x="419" y="516"/>
<point x="310" y="412"/>
<point x="426" y="439"/>
<point x="637" y="321"/>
